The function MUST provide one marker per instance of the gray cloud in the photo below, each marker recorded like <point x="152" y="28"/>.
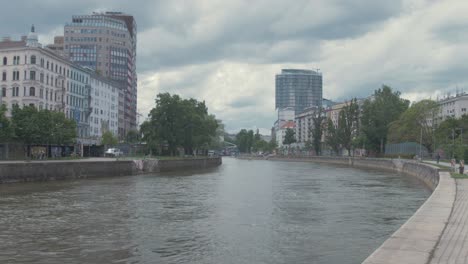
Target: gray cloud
<point x="227" y="52"/>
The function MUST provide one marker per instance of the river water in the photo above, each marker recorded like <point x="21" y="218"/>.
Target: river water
<point x="241" y="212"/>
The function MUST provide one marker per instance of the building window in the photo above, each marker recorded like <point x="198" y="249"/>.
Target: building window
<point x="41" y="77"/>
<point x="32" y="91"/>
<point x="33" y="59"/>
<point x="47" y="65"/>
<point x="4" y="76"/>
<point x="4" y="92"/>
<point x="41" y="93"/>
<point x="15" y="91"/>
<point x="5" y="60"/>
<point x="32" y="75"/>
<point x="15" y="75"/>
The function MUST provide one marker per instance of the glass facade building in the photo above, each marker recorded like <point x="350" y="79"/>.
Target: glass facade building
<point x="299" y="89"/>
<point x="106" y="43"/>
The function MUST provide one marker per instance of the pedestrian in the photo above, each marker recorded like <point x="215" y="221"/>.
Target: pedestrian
<point x="452" y="163"/>
<point x="462" y="166"/>
<point x="438" y="157"/>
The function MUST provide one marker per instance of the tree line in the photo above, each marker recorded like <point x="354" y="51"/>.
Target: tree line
<point x="248" y="142"/>
<point x="385" y="118"/>
<point x="31" y="126"/>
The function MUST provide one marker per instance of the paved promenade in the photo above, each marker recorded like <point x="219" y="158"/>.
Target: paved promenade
<point x="446" y="164"/>
<point x="453" y="245"/>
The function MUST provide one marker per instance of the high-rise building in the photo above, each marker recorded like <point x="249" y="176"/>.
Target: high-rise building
<point x="299" y="89"/>
<point x="106" y="43"/>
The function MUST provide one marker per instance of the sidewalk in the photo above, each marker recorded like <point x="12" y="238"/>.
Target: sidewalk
<point x="446" y="164"/>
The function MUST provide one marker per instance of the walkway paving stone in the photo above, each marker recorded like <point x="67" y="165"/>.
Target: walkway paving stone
<point x="453" y="245"/>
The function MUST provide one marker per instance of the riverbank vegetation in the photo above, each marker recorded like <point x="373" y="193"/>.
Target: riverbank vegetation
<point x="176" y="123"/>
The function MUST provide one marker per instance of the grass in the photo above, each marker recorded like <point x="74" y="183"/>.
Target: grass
<point x="459" y="176"/>
<point x="438" y="166"/>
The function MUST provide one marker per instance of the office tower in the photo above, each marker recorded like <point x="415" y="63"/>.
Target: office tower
<point x="299" y="89"/>
<point x="106" y="43"/>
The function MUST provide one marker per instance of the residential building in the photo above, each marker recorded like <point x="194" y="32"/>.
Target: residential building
<point x="37" y="76"/>
<point x="58" y="46"/>
<point x="281" y="132"/>
<point x="304" y="122"/>
<point x="283" y="116"/>
<point x="104" y="107"/>
<point x="106" y="43"/>
<point x="452" y="106"/>
<point x="299" y="89"/>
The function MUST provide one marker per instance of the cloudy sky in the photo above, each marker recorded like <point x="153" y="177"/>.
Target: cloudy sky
<point x="228" y="52"/>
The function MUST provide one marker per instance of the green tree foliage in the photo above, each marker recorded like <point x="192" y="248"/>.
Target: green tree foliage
<point x="32" y="126"/>
<point x="451" y="135"/>
<point x="133" y="136"/>
<point x="415" y="121"/>
<point x="385" y="107"/>
<point x="245" y="140"/>
<point x="317" y="131"/>
<point x="108" y="139"/>
<point x="289" y="136"/>
<point x="177" y="122"/>
<point x="348" y="125"/>
<point x="6" y="131"/>
<point x="331" y="137"/>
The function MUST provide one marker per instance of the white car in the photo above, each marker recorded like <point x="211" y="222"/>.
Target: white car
<point x="113" y="152"/>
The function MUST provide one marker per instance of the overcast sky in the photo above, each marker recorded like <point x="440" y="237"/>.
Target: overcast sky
<point x="228" y="52"/>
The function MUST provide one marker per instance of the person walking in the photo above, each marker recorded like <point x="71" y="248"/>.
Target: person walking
<point x="438" y="157"/>
<point x="452" y="164"/>
<point x="462" y="166"/>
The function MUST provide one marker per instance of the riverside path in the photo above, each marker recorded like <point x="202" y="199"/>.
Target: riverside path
<point x="453" y="245"/>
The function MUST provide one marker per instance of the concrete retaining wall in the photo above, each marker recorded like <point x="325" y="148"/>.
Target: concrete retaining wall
<point x="151" y="166"/>
<point x="11" y="172"/>
<point x="415" y="241"/>
<point x="47" y="171"/>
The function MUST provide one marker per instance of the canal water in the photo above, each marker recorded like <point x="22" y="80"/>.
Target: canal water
<point x="242" y="212"/>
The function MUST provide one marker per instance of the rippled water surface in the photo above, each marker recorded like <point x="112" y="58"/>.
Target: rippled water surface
<point x="242" y="212"/>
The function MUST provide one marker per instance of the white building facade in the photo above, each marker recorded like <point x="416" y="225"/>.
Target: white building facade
<point x="104" y="107"/>
<point x="39" y="77"/>
<point x="453" y="107"/>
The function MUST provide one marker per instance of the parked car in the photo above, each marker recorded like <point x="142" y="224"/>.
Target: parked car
<point x="113" y="152"/>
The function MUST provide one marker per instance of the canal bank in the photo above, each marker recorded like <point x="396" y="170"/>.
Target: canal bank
<point x="425" y="237"/>
<point x="30" y="171"/>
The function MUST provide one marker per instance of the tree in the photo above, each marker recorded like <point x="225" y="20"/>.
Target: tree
<point x="348" y="125"/>
<point x="289" y="136"/>
<point x="451" y="135"/>
<point x="317" y="131"/>
<point x="331" y="137"/>
<point x="176" y="122"/>
<point x="378" y="112"/>
<point x="133" y="136"/>
<point x="415" y="122"/>
<point x="108" y="139"/>
<point x="32" y="126"/>
<point x="245" y="140"/>
<point x="6" y="131"/>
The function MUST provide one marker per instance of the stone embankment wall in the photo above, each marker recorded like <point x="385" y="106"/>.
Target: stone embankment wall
<point x="11" y="172"/>
<point x="415" y="241"/>
<point x="152" y="165"/>
<point x="60" y="170"/>
<point x="426" y="173"/>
